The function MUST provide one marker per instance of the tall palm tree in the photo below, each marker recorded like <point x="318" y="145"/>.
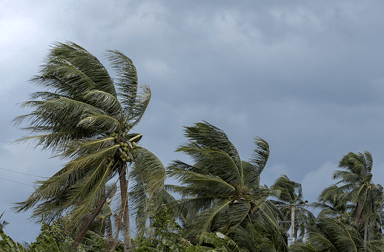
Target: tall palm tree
<point x="290" y="201"/>
<point x="222" y="189"/>
<point x="85" y="116"/>
<point x="356" y="183"/>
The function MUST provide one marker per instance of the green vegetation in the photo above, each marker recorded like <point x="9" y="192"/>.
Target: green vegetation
<point x="86" y="117"/>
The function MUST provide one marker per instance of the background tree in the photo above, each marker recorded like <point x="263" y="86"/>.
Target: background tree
<point x="85" y="116"/>
<point x="292" y="205"/>
<point x="356" y="182"/>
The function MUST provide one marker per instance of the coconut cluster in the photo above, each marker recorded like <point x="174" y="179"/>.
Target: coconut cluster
<point x="125" y="147"/>
<point x="124" y="155"/>
<point x="115" y="135"/>
<point x="110" y="161"/>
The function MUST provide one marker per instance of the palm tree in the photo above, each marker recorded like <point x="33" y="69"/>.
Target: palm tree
<point x="356" y="183"/>
<point x="85" y="116"/>
<point x="222" y="189"/>
<point x="291" y="204"/>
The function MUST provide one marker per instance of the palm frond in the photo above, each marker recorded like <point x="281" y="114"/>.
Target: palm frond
<point x="146" y="195"/>
<point x="216" y="185"/>
<point x="141" y="104"/>
<point x="127" y="80"/>
<point x="80" y="64"/>
<point x="99" y="122"/>
<point x="76" y="149"/>
<point x="214" y="162"/>
<point x="260" y="155"/>
<point x="204" y="218"/>
<point x="208" y="136"/>
<point x="104" y="101"/>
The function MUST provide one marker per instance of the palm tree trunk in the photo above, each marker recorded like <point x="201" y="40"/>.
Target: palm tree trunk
<point x="84" y="229"/>
<point x="124" y="201"/>
<point x="293" y="233"/>
<point x="365" y="233"/>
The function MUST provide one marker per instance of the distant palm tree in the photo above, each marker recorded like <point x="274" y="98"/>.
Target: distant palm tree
<point x="86" y="116"/>
<point x="219" y="188"/>
<point x="356" y="183"/>
<point x="291" y="203"/>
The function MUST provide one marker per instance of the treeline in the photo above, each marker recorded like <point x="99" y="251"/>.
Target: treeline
<point x="86" y="117"/>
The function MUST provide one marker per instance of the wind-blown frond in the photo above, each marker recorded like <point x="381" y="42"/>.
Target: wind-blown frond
<point x="261" y="154"/>
<point x="141" y="104"/>
<point x="214" y="162"/>
<point x="146" y="196"/>
<point x="84" y="147"/>
<point x="127" y="80"/>
<point x="104" y="101"/>
<point x="204" y="218"/>
<point x="208" y="136"/>
<point x="216" y="185"/>
<point x="69" y="56"/>
<point x="99" y="122"/>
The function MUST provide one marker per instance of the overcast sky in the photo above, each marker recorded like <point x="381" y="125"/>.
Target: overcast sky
<point x="306" y="76"/>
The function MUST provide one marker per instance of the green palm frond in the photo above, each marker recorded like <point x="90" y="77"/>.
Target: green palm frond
<point x="142" y="101"/>
<point x="261" y="154"/>
<point x="89" y="191"/>
<point x="204" y="219"/>
<point x="104" y="101"/>
<point x="79" y="148"/>
<point x="99" y="122"/>
<point x="215" y="162"/>
<point x="268" y="212"/>
<point x="127" y="80"/>
<point x="231" y="217"/>
<point x="262" y="235"/>
<point x="252" y="178"/>
<point x="215" y="184"/>
<point x="146" y="196"/>
<point x="74" y="55"/>
<point x="208" y="136"/>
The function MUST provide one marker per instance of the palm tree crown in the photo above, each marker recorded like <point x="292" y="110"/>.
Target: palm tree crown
<point x="219" y="186"/>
